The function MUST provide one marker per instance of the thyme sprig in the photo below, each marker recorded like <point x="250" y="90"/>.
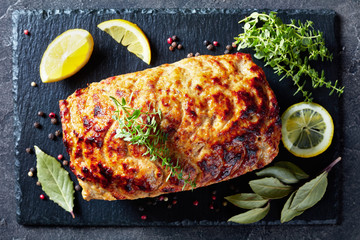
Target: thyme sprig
<point x="288" y="49"/>
<point x="141" y="128"/>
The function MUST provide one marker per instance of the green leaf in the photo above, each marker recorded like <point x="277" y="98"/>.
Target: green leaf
<point x="283" y="174"/>
<point x="287" y="213"/>
<point x="55" y="180"/>
<point x="270" y="188"/>
<point x="247" y="200"/>
<point x="123" y="101"/>
<point x="298" y="172"/>
<point x="310" y="193"/>
<point x="251" y="216"/>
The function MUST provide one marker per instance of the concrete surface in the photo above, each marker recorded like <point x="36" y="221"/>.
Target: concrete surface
<point x="348" y="11"/>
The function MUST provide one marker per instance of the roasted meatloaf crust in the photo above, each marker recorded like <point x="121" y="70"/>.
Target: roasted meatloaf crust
<point x="221" y="117"/>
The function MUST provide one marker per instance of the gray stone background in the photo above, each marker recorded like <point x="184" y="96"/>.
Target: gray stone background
<point x="349" y="15"/>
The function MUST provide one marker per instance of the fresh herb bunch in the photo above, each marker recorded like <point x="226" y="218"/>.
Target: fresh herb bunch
<point x="288" y="49"/>
<point x="141" y="128"/>
<point x="277" y="184"/>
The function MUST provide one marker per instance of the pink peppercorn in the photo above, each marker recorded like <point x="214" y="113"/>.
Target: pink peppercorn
<point x="161" y="198"/>
<point x="215" y="43"/>
<point x="211" y="206"/>
<point x="196" y="202"/>
<point x="60" y="157"/>
<point x="169" y="40"/>
<point x="143" y="217"/>
<point x="42" y="197"/>
<point x="213" y="198"/>
<point x="26" y="32"/>
<point x="52" y="115"/>
<point x="174" y="202"/>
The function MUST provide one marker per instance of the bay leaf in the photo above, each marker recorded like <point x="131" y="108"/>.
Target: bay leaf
<point x="251" y="216"/>
<point x="270" y="188"/>
<point x="310" y="193"/>
<point x="247" y="200"/>
<point x="298" y="172"/>
<point x="287" y="213"/>
<point x="283" y="174"/>
<point x="55" y="180"/>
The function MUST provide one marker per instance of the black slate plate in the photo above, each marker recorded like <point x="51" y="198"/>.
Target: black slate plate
<point x="108" y="59"/>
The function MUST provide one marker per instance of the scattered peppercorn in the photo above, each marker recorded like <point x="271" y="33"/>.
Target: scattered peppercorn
<point x="213" y="192"/>
<point x="179" y="46"/>
<point x="52" y="115"/>
<point x="174" y="202"/>
<point x="215" y="43"/>
<point x="174" y="38"/>
<point x="30" y="174"/>
<point x="42" y="197"/>
<point x="41" y="114"/>
<point x="57" y="133"/>
<point x="141" y="209"/>
<point x="65" y="162"/>
<point x="33" y="84"/>
<point x="171" y="48"/>
<point x="196" y="202"/>
<point x="169" y="40"/>
<point x="38" y="183"/>
<point x="197" y="54"/>
<point x="54" y="121"/>
<point x="166" y="199"/>
<point x="206" y="42"/>
<point x="51" y="136"/>
<point x="229" y="47"/>
<point x="233" y="44"/>
<point x="36" y="124"/>
<point x="210" y="47"/>
<point x="28" y="150"/>
<point x="77" y="188"/>
<point x="161" y="198"/>
<point x="190" y="55"/>
<point x="60" y="157"/>
<point x="226" y="51"/>
<point x="213" y="197"/>
<point x="211" y="206"/>
<point x="224" y="204"/>
<point x="32" y="170"/>
<point x="174" y="44"/>
<point x="143" y="217"/>
<point x="26" y="32"/>
<point x="169" y="206"/>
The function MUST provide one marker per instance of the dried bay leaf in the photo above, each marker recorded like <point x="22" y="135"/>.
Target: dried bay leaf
<point x="247" y="200"/>
<point x="310" y="193"/>
<point x="283" y="174"/>
<point x="55" y="180"/>
<point x="287" y="213"/>
<point x="298" y="172"/>
<point x="270" y="188"/>
<point x="251" y="216"/>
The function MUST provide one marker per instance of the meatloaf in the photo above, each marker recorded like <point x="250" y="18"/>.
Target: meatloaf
<point x="219" y="113"/>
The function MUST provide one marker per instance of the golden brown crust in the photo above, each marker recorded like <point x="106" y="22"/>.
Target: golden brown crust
<point x="221" y="117"/>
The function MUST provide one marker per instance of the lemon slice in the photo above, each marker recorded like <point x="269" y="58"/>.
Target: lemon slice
<point x="307" y="129"/>
<point x="66" y="55"/>
<point x="130" y="36"/>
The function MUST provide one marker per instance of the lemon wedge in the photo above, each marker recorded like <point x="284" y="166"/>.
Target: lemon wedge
<point x="66" y="55"/>
<point x="307" y="129"/>
<point x="130" y="36"/>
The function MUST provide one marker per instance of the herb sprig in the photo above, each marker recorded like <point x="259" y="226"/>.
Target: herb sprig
<point x="141" y="128"/>
<point x="276" y="185"/>
<point x="288" y="49"/>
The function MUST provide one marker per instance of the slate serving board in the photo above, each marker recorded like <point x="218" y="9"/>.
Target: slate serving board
<point x="109" y="58"/>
